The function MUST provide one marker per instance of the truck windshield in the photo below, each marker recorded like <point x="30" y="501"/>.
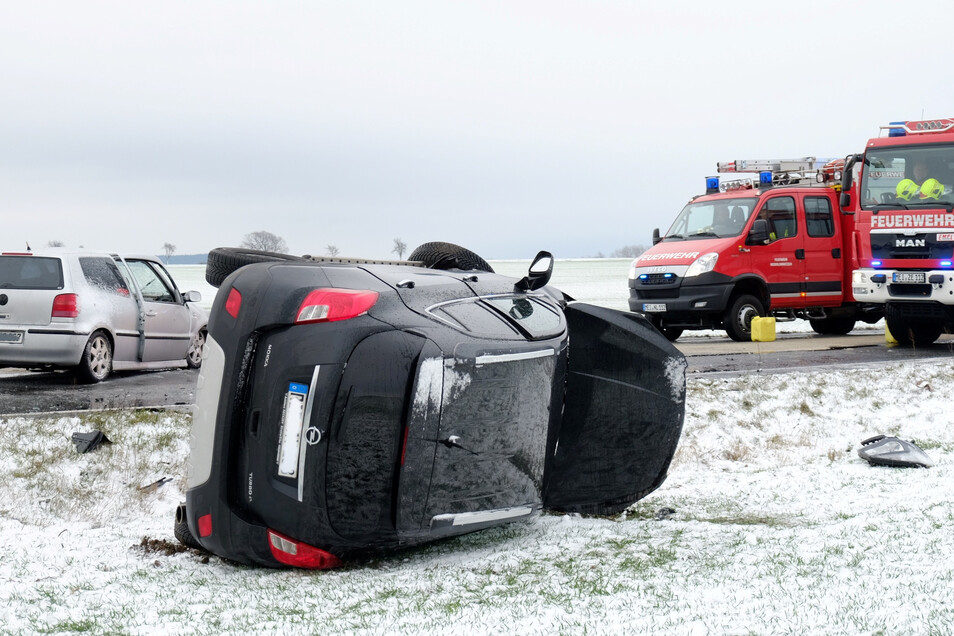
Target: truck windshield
<point x="712" y="218"/>
<point x="908" y="176"/>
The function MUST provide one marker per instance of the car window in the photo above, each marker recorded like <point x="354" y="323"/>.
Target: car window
<point x="779" y="212"/>
<point x="475" y="318"/>
<point x="533" y="316"/>
<point x="30" y="272"/>
<point x="153" y="282"/>
<point x="102" y="273"/>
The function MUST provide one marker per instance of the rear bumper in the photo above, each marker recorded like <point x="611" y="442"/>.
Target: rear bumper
<point x="39" y="347"/>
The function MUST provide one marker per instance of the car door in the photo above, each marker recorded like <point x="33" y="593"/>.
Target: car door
<point x="622" y="415"/>
<point x="781" y="262"/>
<point x="167" y="325"/>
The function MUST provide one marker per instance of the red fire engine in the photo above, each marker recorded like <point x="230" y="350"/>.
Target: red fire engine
<point x="776" y="244"/>
<point x="900" y="191"/>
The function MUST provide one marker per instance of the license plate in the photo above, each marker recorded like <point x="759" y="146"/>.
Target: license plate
<point x="11" y="337"/>
<point x="908" y="277"/>
<point x="654" y="306"/>
<point x="293" y="413"/>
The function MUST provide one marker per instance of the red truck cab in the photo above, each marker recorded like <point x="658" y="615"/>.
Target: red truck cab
<point x="777" y="247"/>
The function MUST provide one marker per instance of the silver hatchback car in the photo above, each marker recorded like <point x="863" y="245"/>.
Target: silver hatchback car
<point x="95" y="313"/>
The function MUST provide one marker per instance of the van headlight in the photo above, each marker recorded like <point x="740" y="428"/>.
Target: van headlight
<point x="702" y="265"/>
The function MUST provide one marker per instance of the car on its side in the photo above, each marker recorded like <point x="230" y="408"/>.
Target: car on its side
<point x="347" y="406"/>
<point x="94" y="313"/>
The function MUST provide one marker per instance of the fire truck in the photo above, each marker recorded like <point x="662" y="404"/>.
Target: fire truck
<point x="773" y="244"/>
<point x="904" y="209"/>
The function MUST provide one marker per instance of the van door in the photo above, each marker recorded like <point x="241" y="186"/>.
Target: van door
<point x="781" y="262"/>
<point x="823" y="257"/>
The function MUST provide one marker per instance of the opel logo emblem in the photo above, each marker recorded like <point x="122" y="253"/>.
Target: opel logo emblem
<point x="312" y="436"/>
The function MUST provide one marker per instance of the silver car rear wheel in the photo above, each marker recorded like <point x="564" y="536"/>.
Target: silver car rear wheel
<point x="97" y="361"/>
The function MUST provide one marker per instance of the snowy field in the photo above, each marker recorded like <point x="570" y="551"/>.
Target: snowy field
<point x="776" y="527"/>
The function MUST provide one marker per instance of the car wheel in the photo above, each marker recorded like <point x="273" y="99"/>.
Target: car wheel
<point x="194" y="355"/>
<point x="181" y="530"/>
<point x="832" y="326"/>
<point x="438" y="255"/>
<point x="97" y="361"/>
<point x="223" y="261"/>
<point x="738" y="319"/>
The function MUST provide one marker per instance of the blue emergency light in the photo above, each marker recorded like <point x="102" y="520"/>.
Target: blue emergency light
<point x="876" y="263"/>
<point x="765" y="178"/>
<point x="899" y="131"/>
<point x="712" y="185"/>
<point x="946" y="263"/>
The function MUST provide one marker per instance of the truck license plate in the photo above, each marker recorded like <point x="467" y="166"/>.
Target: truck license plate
<point x="654" y="306"/>
<point x="12" y="337"/>
<point x="908" y="277"/>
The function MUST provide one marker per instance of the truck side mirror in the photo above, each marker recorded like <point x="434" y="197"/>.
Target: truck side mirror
<point x="845" y="200"/>
<point x="759" y="234"/>
<point x="656" y="237"/>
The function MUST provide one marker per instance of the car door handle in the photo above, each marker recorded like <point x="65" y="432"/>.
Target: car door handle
<point x="800" y="254"/>
<point x="151" y="314"/>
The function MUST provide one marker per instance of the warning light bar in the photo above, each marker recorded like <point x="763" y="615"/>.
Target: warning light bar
<point x="904" y="128"/>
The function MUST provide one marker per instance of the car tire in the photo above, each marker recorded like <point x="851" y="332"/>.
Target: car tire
<point x="439" y="255"/>
<point x="194" y="355"/>
<point x="97" y="361"/>
<point x="181" y="530"/>
<point x="832" y="326"/>
<point x="222" y="261"/>
<point x="738" y="319"/>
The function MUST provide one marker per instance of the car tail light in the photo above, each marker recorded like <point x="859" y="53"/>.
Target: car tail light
<point x="205" y="525"/>
<point x="325" y="305"/>
<point x="233" y="303"/>
<point x="301" y="555"/>
<point x="65" y="306"/>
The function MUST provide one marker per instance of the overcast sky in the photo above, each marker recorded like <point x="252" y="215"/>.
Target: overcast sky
<point x="506" y="127"/>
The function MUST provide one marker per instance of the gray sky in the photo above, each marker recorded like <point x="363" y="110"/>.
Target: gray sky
<point x="506" y="127"/>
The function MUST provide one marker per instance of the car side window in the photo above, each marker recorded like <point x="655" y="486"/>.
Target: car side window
<point x="475" y="318"/>
<point x="539" y="320"/>
<point x="102" y="273"/>
<point x="818" y="217"/>
<point x="779" y="212"/>
<point x="154" y="285"/>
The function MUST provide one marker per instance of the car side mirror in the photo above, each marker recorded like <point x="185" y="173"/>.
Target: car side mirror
<point x="656" y="237"/>
<point x="538" y="274"/>
<point x="191" y="296"/>
<point x="759" y="234"/>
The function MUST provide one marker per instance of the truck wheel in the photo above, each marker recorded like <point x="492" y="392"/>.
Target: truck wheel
<point x="832" y="326"/>
<point x="910" y="332"/>
<point x="738" y="319"/>
<point x="671" y="333"/>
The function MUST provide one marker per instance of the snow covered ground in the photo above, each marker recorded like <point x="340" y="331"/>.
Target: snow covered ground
<point x="777" y="527"/>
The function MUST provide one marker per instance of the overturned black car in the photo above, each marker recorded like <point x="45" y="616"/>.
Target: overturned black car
<point x="345" y="407"/>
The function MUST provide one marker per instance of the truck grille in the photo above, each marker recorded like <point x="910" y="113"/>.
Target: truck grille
<point x="909" y="290"/>
<point x="657" y="279"/>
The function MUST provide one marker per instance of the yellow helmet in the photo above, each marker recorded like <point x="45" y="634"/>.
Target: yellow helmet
<point x="906" y="189"/>
<point x="931" y="189"/>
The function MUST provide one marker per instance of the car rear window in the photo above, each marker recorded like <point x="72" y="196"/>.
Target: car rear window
<point x="30" y="272"/>
<point x="103" y="274"/>
<point x="539" y="320"/>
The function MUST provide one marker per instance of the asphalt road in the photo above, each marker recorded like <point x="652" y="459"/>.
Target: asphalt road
<point x="23" y="392"/>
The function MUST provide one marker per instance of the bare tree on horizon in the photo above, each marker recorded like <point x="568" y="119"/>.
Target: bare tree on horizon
<point x="399" y="248"/>
<point x="265" y="242"/>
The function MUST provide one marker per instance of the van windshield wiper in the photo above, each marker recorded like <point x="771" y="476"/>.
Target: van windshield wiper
<point x="675" y="236"/>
